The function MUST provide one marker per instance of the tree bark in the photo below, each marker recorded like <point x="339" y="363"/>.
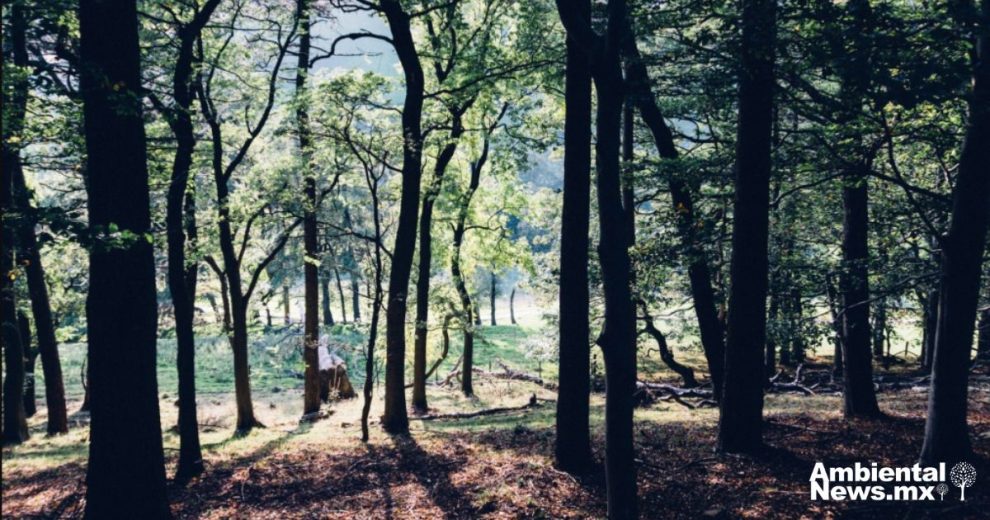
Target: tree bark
<point x="426" y="256"/>
<point x="573" y="446"/>
<point x="181" y="227"/>
<point x="340" y="293"/>
<point x="396" y="420"/>
<point x="355" y="296"/>
<point x="946" y="433"/>
<point x="710" y="326"/>
<point x="26" y="238"/>
<point x="983" y="341"/>
<point x="859" y="398"/>
<point x="741" y="413"/>
<point x="491" y="298"/>
<point x="126" y="470"/>
<point x="512" y="306"/>
<point x="30" y="358"/>
<point x="327" y="309"/>
<point x="311" y="318"/>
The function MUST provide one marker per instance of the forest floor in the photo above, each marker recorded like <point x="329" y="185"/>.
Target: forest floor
<point x="500" y="465"/>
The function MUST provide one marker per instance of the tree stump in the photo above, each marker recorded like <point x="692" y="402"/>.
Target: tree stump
<point x="334" y="383"/>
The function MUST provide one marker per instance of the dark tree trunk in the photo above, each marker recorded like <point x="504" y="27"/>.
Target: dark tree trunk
<point x="355" y="296"/>
<point x="41" y="309"/>
<point x="181" y="227"/>
<point x="512" y="306"/>
<point x="837" y="332"/>
<point x="770" y="357"/>
<point x="573" y="446"/>
<point x="686" y="373"/>
<point x="618" y="336"/>
<point x="797" y="330"/>
<point x="376" y="306"/>
<point x="931" y="325"/>
<point x="741" y="418"/>
<point x="327" y="310"/>
<point x="946" y="434"/>
<point x="468" y="310"/>
<point x="340" y="293"/>
<point x="311" y="318"/>
<point x="126" y="471"/>
<point x="477" y="311"/>
<point x="396" y="420"/>
<point x="14" y="105"/>
<point x="879" y="328"/>
<point x="859" y="396"/>
<point x="30" y="358"/>
<point x="491" y="298"/>
<point x="286" y="308"/>
<point x="426" y="258"/>
<point x="983" y="341"/>
<point x="710" y="326"/>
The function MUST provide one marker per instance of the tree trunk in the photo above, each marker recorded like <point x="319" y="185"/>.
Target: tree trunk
<point x="126" y="470"/>
<point x="426" y="258"/>
<point x="710" y="325"/>
<point x="741" y="413"/>
<point x="180" y="222"/>
<point x="327" y="310"/>
<point x="931" y="324"/>
<point x="512" y="306"/>
<point x="983" y="341"/>
<point x="311" y="318"/>
<point x="340" y="293"/>
<point x="30" y="359"/>
<point x="618" y="336"/>
<point x="797" y="330"/>
<point x="395" y="420"/>
<point x="355" y="296"/>
<point x="946" y="434"/>
<point x="573" y="446"/>
<point x="44" y="324"/>
<point x="859" y="396"/>
<point x="770" y="357"/>
<point x="491" y="298"/>
<point x="686" y="373"/>
<point x="286" y="308"/>
<point x="15" y="94"/>
<point x="833" y="304"/>
<point x="879" y="328"/>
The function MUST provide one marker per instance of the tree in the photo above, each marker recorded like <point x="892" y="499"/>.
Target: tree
<point x="741" y="412"/>
<point x="618" y="337"/>
<point x="311" y="261"/>
<point x="573" y="446"/>
<point x="180" y="222"/>
<point x="223" y="171"/>
<point x="946" y="434"/>
<point x="126" y="471"/>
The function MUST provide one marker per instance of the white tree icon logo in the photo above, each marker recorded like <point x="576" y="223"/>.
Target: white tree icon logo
<point x="942" y="489"/>
<point x="963" y="475"/>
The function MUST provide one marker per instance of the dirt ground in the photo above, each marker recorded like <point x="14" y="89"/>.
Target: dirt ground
<point x="500" y="466"/>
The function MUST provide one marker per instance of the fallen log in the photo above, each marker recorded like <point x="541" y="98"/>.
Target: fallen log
<point x="533" y="403"/>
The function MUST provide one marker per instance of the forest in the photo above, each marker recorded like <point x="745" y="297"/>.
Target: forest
<point x="495" y="259"/>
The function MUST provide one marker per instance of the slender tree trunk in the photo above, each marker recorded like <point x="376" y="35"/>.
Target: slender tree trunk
<point x="327" y="310"/>
<point x="340" y="293"/>
<point x="797" y="330"/>
<point x="573" y="446"/>
<point x="355" y="296"/>
<point x="741" y="418"/>
<point x="946" y="433"/>
<point x="983" y="341"/>
<point x="311" y="319"/>
<point x="180" y="223"/>
<point x="286" y="308"/>
<point x="618" y="336"/>
<point x="710" y="325"/>
<point x="512" y="306"/>
<point x="491" y="298"/>
<point x="30" y="358"/>
<point x="931" y="326"/>
<point x="770" y="358"/>
<point x="686" y="373"/>
<point x="38" y="290"/>
<point x="395" y="420"/>
<point x="126" y="470"/>
<point x="879" y="328"/>
<point x="426" y="258"/>
<point x="837" y="331"/>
